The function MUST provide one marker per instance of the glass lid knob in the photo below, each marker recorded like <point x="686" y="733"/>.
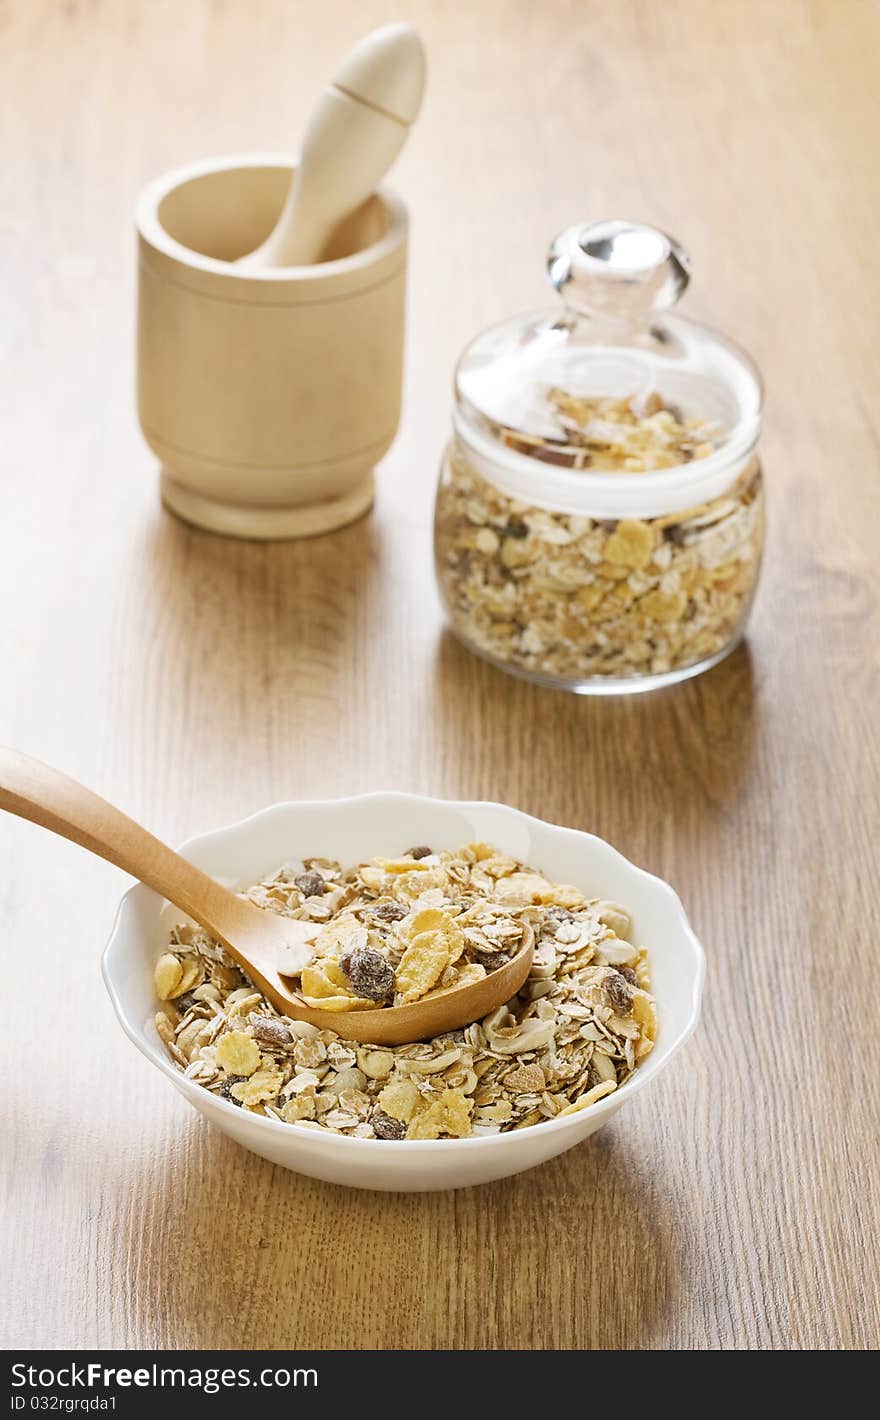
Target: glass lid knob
<point x="618" y="270"/>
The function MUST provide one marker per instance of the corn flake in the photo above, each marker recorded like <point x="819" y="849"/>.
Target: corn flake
<point x="238" y="1053"/>
<point x="449" y="1113"/>
<point x="435" y="942"/>
<point x="263" y="1085"/>
<point x="167" y="976"/>
<point x="326" y="988"/>
<point x="400" y="1099"/>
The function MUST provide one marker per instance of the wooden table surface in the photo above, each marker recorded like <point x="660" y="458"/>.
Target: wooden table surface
<point x="193" y="680"/>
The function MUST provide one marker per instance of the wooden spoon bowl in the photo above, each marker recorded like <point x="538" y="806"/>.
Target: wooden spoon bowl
<point x="262" y="943"/>
<point x="433" y="1015"/>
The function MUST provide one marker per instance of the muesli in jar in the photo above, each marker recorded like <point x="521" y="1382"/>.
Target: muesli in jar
<point x="602" y="540"/>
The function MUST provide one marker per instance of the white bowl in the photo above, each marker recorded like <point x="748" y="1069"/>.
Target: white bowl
<point x="352" y="830"/>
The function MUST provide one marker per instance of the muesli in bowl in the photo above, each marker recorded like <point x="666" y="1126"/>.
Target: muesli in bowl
<point x="391" y="930"/>
<point x="353" y="831"/>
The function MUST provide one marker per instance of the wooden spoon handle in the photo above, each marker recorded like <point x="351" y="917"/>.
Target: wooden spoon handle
<point x="34" y="791"/>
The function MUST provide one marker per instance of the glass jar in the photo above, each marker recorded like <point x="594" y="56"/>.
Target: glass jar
<point x="600" y="514"/>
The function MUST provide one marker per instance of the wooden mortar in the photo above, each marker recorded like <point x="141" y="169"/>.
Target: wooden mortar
<point x="268" y="394"/>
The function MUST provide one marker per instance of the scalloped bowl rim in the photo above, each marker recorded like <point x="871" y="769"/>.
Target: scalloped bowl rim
<point x="659" y="1058"/>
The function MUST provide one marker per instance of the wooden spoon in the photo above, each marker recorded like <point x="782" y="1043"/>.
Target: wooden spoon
<point x="261" y="942"/>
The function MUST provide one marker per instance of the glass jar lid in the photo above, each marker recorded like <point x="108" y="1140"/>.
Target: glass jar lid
<point x="610" y="404"/>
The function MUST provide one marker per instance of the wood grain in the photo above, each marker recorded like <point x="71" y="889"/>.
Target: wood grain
<point x="193" y="680"/>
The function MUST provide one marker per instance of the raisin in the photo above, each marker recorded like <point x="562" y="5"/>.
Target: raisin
<point x="310" y="884"/>
<point x="562" y="457"/>
<point x="420" y="851"/>
<point x="384" y="1127"/>
<point x="629" y="975"/>
<point x="185" y="1003"/>
<point x="516" y="529"/>
<point x="490" y="960"/>
<point x="619" y="992"/>
<point x="270" y="1032"/>
<point x="371" y="975"/>
<point x="226" y="1088"/>
<point x="388" y="911"/>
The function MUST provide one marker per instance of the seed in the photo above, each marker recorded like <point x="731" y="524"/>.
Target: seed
<point x="310" y="884"/>
<point x="226" y="1088"/>
<point x="384" y="1127"/>
<point x="388" y="911"/>
<point x="370" y="973"/>
<point x="377" y="1064"/>
<point x="270" y="1032"/>
<point x="619" y="992"/>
